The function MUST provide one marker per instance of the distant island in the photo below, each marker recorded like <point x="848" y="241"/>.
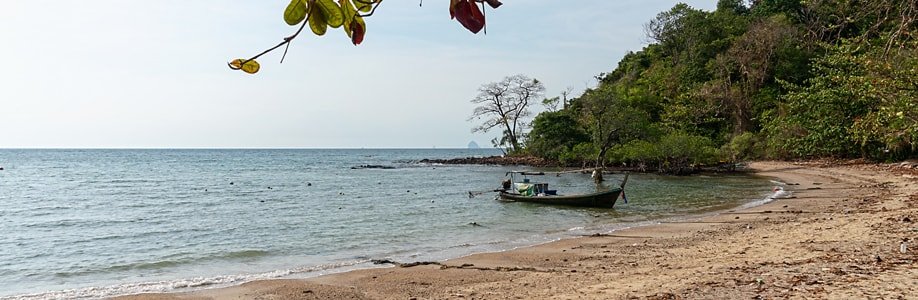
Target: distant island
<point x="473" y="145"/>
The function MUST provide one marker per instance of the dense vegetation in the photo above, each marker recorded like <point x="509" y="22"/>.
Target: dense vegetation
<point x="781" y="79"/>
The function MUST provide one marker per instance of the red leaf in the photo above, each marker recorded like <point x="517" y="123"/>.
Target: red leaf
<point x="452" y="8"/>
<point x="469" y="15"/>
<point x="357" y="32"/>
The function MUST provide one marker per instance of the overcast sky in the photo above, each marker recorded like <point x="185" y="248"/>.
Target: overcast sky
<point x="139" y="74"/>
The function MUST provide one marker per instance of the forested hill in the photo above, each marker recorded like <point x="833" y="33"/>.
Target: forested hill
<point x="780" y="79"/>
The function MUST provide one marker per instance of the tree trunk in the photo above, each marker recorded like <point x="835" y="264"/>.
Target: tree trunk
<point x="600" y="165"/>
<point x="514" y="144"/>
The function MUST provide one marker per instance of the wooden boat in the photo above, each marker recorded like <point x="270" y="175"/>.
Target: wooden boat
<point x="604" y="199"/>
<point x="539" y="193"/>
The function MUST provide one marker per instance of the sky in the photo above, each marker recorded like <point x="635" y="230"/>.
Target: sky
<point x="153" y="74"/>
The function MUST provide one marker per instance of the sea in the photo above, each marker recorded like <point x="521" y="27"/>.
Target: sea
<point x="96" y="223"/>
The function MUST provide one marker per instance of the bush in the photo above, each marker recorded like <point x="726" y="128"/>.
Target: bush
<point x="638" y="153"/>
<point x="553" y="134"/>
<point x="583" y="153"/>
<point x="675" y="153"/>
<point x="742" y="147"/>
<point x="683" y="153"/>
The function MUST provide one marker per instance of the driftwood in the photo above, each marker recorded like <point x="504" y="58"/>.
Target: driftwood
<point x="463" y="266"/>
<point x="404" y="265"/>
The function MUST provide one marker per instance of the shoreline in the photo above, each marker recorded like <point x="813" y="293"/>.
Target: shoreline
<point x="670" y="259"/>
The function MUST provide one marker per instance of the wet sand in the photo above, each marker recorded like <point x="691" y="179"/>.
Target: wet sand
<point x="837" y="236"/>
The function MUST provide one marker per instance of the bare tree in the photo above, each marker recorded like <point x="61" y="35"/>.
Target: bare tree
<point x="505" y="104"/>
<point x="567" y="92"/>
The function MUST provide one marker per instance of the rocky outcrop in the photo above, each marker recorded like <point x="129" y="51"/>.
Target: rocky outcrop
<point x="494" y="160"/>
<point x="372" y="167"/>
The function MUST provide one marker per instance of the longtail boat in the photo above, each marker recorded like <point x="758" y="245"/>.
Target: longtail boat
<point x="539" y="193"/>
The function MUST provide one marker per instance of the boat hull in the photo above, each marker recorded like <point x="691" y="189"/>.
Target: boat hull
<point x="604" y="199"/>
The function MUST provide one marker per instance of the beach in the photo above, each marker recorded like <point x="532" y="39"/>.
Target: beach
<point x="837" y="234"/>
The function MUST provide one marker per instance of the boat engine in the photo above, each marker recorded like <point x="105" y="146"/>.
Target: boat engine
<point x="506" y="184"/>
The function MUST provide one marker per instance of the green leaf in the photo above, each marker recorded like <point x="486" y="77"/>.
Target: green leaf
<point x="364" y="7"/>
<point x="317" y="22"/>
<point x="347" y="8"/>
<point x="248" y="66"/>
<point x="333" y="14"/>
<point x="296" y="11"/>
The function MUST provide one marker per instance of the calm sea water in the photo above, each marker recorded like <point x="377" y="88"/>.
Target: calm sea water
<point x="97" y="223"/>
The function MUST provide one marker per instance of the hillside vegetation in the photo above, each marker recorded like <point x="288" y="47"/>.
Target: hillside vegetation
<point x="771" y="79"/>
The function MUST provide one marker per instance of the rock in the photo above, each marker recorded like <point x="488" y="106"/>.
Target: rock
<point x="492" y="160"/>
<point x="372" y="167"/>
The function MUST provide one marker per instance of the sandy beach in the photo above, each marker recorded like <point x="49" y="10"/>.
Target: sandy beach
<point x="839" y="234"/>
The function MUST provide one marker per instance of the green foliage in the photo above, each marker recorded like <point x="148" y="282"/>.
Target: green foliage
<point x="775" y="79"/>
<point x="815" y="119"/>
<point x="638" y="153"/>
<point x="332" y="12"/>
<point x="581" y="153"/>
<point x="676" y="153"/>
<point x="611" y="120"/>
<point x="732" y="6"/>
<point x="742" y="147"/>
<point x="890" y="129"/>
<point x="555" y="133"/>
<point x="683" y="152"/>
<point x="296" y="12"/>
<point x="789" y="8"/>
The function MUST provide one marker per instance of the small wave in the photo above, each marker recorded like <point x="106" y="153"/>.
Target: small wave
<point x="246" y="254"/>
<point x="762" y="201"/>
<point x="131" y="181"/>
<point x="179" y="284"/>
<point x="168" y="262"/>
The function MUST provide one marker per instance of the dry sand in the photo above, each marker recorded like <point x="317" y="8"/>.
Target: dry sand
<point x="838" y="236"/>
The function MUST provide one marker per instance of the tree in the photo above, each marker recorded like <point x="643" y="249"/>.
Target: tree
<point x="612" y="121"/>
<point x="815" y="119"/>
<point x="554" y="133"/>
<point x="551" y="104"/>
<point x="505" y="104"/>
<point x="890" y="129"/>
<point x="746" y="67"/>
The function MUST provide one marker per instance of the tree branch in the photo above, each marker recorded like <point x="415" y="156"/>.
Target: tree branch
<point x="290" y="38"/>
<point x="285" y="42"/>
